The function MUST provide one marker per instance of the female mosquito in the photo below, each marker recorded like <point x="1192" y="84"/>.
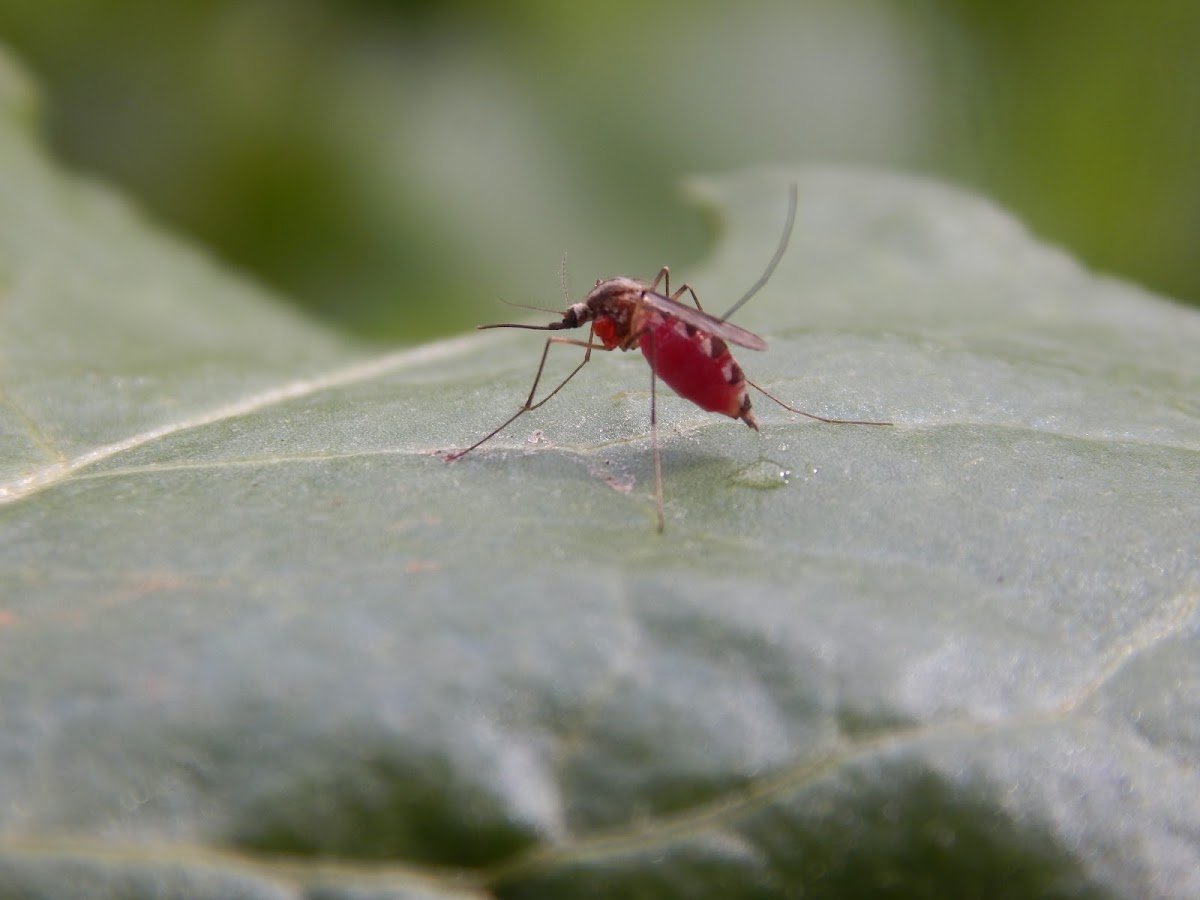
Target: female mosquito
<point x="685" y="347"/>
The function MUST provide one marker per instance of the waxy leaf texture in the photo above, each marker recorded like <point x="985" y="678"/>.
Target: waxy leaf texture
<point x="258" y="640"/>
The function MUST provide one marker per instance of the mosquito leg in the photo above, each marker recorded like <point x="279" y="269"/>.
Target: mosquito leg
<point x="656" y="449"/>
<point x="658" y="488"/>
<point x="771" y="396"/>
<point x="529" y="405"/>
<point x="664" y="275"/>
<point x="588" y="345"/>
<point x="687" y="288"/>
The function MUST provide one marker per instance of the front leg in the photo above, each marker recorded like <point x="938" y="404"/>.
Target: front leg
<point x="529" y="405"/>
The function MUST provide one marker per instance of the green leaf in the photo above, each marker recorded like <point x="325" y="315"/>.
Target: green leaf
<point x="256" y="639"/>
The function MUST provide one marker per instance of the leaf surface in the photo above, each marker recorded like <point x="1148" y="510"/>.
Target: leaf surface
<point x="257" y="640"/>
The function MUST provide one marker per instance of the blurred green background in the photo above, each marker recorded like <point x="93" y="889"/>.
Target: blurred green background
<point x="395" y="167"/>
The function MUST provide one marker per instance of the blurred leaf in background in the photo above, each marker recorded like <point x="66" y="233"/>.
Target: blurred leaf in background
<point x="355" y="153"/>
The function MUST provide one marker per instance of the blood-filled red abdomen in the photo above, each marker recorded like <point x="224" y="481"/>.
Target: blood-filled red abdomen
<point x="697" y="366"/>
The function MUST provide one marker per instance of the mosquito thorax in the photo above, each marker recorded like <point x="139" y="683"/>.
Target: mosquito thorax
<point x="613" y="303"/>
<point x="614" y="291"/>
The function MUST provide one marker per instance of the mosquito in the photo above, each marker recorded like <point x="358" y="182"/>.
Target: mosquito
<point x="686" y="347"/>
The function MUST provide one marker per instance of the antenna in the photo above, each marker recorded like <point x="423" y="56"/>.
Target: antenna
<point x="779" y="251"/>
<point x="545" y="309"/>
<point x="564" y="280"/>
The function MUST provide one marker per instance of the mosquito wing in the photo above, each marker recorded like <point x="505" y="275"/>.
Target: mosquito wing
<point x="702" y="321"/>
